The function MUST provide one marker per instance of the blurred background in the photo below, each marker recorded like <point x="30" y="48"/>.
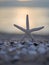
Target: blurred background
<point x="15" y="11"/>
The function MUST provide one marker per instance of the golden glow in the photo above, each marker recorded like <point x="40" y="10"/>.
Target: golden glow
<point x="21" y="17"/>
<point x="10" y="16"/>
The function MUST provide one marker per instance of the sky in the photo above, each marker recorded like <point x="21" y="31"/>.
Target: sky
<point x="29" y="3"/>
<point x="14" y="12"/>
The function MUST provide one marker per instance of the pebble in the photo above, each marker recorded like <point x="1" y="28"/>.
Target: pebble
<point x="28" y="47"/>
<point x="41" y="48"/>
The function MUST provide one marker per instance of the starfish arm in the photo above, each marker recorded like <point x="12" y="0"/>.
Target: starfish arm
<point x="36" y="29"/>
<point x="27" y="22"/>
<point x="23" y="37"/>
<point x="22" y="29"/>
<point x="30" y="36"/>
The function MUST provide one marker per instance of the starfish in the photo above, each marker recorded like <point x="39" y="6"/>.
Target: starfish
<point x="28" y="31"/>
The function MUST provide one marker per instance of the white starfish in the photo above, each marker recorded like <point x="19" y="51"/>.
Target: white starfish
<point x="28" y="30"/>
